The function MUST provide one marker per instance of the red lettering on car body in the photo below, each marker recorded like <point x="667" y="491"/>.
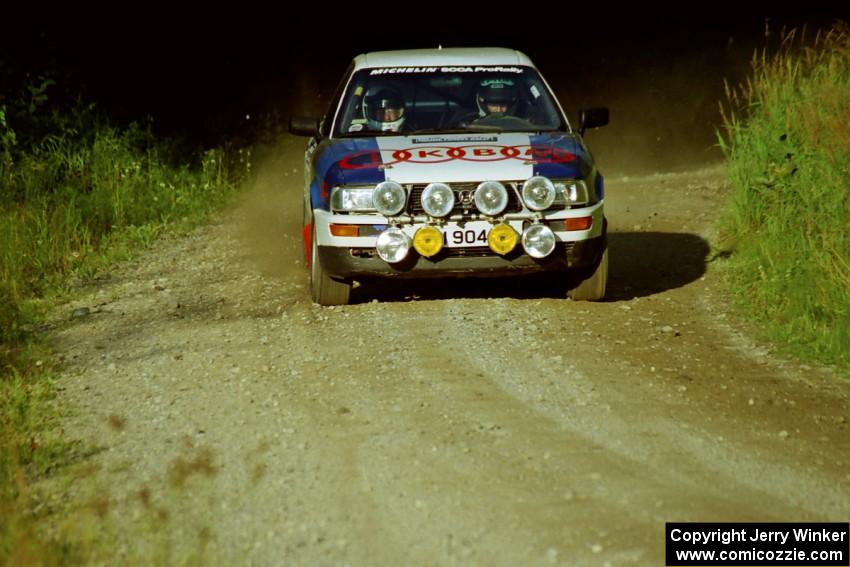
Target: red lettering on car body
<point x="361" y="160"/>
<point x="510" y="151"/>
<point x="402" y="155"/>
<point x="443" y="154"/>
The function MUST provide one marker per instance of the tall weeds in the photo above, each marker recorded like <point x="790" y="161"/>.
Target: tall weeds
<point x="75" y="194"/>
<point x="787" y="141"/>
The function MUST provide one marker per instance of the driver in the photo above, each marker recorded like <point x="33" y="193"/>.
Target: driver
<point x="496" y="96"/>
<point x="383" y="109"/>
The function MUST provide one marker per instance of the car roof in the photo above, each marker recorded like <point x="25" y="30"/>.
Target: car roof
<point x="449" y="56"/>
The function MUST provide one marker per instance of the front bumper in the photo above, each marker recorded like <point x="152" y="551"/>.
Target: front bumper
<point x="351" y="263"/>
<point x="354" y="257"/>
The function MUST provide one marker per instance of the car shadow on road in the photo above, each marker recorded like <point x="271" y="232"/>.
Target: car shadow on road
<point x="646" y="263"/>
<point x="641" y="264"/>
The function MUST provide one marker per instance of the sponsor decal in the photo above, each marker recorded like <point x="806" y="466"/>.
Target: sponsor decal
<point x="454" y="139"/>
<point x="497" y="83"/>
<point x="404" y="70"/>
<point x="429" y="155"/>
<point x="517" y="70"/>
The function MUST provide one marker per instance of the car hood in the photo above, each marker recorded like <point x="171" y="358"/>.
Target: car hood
<point x="458" y="158"/>
<point x="454" y="158"/>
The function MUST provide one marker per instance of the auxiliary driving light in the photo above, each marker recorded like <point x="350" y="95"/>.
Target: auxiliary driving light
<point x="428" y="241"/>
<point x="389" y="198"/>
<point x="538" y="240"/>
<point x="491" y="198"/>
<point x="538" y="193"/>
<point x="502" y="238"/>
<point x="438" y="199"/>
<point x="393" y="245"/>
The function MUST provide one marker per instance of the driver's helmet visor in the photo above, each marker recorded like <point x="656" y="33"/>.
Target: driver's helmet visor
<point x="389" y="114"/>
<point x="493" y="106"/>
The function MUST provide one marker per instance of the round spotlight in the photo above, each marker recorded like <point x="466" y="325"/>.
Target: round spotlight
<point x="502" y="238"/>
<point x="491" y="198"/>
<point x="389" y="198"/>
<point x="538" y="193"/>
<point x="393" y="245"/>
<point x="538" y="240"/>
<point x="438" y="199"/>
<point x="428" y="241"/>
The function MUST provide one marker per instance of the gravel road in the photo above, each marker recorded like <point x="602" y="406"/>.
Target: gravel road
<point x="227" y="419"/>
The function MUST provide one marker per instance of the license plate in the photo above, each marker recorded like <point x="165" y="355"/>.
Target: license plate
<point x="471" y="234"/>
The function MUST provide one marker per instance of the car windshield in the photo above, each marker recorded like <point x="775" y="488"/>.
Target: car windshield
<point x="411" y="100"/>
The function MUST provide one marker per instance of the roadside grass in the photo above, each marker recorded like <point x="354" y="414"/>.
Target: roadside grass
<point x="786" y="137"/>
<point x="76" y="195"/>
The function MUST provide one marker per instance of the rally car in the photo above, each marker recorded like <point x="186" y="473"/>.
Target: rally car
<point x="450" y="162"/>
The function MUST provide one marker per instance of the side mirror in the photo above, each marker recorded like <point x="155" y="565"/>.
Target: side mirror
<point x="304" y="126"/>
<point x="593" y="118"/>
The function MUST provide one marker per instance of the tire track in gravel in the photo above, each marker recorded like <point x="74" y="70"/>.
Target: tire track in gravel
<point x="731" y="473"/>
<point x="345" y="400"/>
<point x="449" y="453"/>
<point x="482" y="387"/>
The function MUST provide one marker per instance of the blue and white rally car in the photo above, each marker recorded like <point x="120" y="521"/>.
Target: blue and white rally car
<point x="450" y="162"/>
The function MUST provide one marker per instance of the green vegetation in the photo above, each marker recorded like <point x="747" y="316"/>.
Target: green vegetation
<point x="76" y="194"/>
<point x="787" y="141"/>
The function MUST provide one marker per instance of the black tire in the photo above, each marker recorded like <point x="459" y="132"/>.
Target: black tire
<point x="593" y="288"/>
<point x="324" y="289"/>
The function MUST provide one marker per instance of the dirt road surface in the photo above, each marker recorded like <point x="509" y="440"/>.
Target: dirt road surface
<point x="233" y="422"/>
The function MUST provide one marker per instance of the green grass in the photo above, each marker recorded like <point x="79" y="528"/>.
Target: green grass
<point x="787" y="142"/>
<point x="76" y="194"/>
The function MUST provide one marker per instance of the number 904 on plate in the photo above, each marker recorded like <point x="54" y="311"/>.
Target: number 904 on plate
<point x="470" y="234"/>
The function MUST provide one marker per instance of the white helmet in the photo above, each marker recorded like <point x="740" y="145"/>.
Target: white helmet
<point x="383" y="109"/>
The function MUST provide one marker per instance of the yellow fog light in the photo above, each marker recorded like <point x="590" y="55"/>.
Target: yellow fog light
<point x="502" y="239"/>
<point x="428" y="240"/>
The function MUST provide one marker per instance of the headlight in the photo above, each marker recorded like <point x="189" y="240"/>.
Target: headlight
<point x="502" y="238"/>
<point x="438" y="199"/>
<point x="538" y="240"/>
<point x="428" y="241"/>
<point x="491" y="198"/>
<point x="352" y="199"/>
<point x="393" y="245"/>
<point x="571" y="192"/>
<point x="390" y="198"/>
<point x="538" y="193"/>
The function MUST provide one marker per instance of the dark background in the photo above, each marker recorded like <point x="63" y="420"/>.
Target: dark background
<point x="213" y="74"/>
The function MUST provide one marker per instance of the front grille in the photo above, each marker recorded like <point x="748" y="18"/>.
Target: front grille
<point x="414" y="203"/>
<point x="476" y="251"/>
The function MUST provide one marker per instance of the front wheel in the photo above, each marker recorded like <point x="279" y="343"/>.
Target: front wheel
<point x="593" y="288"/>
<point x="324" y="289"/>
